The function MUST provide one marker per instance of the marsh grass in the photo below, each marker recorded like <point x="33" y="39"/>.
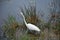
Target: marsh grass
<point x="9" y="28"/>
<point x="32" y="17"/>
<point x="17" y="31"/>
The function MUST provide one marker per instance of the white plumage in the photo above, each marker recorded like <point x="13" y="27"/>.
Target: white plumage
<point x="32" y="27"/>
<point x="29" y="25"/>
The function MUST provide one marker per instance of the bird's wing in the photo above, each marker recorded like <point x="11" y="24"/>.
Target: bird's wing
<point x="32" y="27"/>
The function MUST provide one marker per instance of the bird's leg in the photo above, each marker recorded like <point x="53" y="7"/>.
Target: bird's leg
<point x="26" y="31"/>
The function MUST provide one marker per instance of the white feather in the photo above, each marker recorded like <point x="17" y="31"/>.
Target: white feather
<point x="32" y="27"/>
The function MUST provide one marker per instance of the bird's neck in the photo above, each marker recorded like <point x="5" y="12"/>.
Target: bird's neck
<point x="25" y="21"/>
<point x="24" y="18"/>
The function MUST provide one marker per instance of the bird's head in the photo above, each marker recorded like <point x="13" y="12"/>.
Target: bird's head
<point x="21" y="13"/>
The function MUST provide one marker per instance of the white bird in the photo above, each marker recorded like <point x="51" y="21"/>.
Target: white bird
<point x="29" y="25"/>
